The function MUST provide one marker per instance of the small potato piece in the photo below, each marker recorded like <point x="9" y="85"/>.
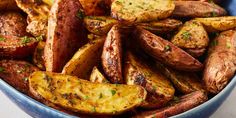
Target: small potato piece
<point x="194" y="9"/>
<point x="99" y="25"/>
<point x="38" y="55"/>
<point x="13" y="24"/>
<point x="85" y="59"/>
<point x="16" y="47"/>
<point x="66" y="34"/>
<point x="162" y="26"/>
<point x="185" y="82"/>
<point x="8" y="5"/>
<point x="166" y="52"/>
<point x="178" y="106"/>
<point x="221" y="62"/>
<point x="82" y="96"/>
<point x="191" y="36"/>
<point x="141" y="10"/>
<point x="215" y="24"/>
<point x="159" y="88"/>
<point x="16" y="73"/>
<point x="112" y="55"/>
<point x="97" y="77"/>
<point x="96" y="7"/>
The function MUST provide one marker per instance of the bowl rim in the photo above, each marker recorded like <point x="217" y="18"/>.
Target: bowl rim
<point x="33" y="102"/>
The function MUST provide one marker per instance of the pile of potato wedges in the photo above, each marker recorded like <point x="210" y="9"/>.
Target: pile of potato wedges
<point x="117" y="58"/>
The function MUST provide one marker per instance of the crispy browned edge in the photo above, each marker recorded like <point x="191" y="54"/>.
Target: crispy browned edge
<point x="112" y="55"/>
<point x="65" y="34"/>
<point x="183" y="104"/>
<point x="166" y="52"/>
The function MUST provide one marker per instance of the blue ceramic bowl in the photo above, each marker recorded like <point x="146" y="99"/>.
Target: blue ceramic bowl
<point x="39" y="110"/>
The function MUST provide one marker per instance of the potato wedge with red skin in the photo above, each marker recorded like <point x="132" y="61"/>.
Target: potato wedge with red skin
<point x="66" y="34"/>
<point x="166" y="52"/>
<point x="17" y="47"/>
<point x="194" y="9"/>
<point x="221" y="62"/>
<point x="112" y="55"/>
<point x="8" y="5"/>
<point x="137" y="72"/>
<point x="16" y="73"/>
<point x="182" y="104"/>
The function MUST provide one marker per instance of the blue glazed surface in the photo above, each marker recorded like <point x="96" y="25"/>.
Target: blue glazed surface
<point x="38" y="110"/>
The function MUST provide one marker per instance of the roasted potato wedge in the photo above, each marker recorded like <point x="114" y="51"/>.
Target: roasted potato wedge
<point x="215" y="24"/>
<point x="96" y="7"/>
<point x="83" y="96"/>
<point x="191" y="36"/>
<point x="194" y="9"/>
<point x="177" y="106"/>
<point x="161" y="26"/>
<point x="221" y="62"/>
<point x="37" y="12"/>
<point x="112" y="55"/>
<point x="38" y="55"/>
<point x="141" y="10"/>
<point x="166" y="52"/>
<point x="99" y="25"/>
<point x="66" y="34"/>
<point x="97" y="77"/>
<point x="13" y="24"/>
<point x="196" y="52"/>
<point x="184" y="82"/>
<point x="85" y="59"/>
<point x="16" y="73"/>
<point x="8" y="5"/>
<point x="159" y="88"/>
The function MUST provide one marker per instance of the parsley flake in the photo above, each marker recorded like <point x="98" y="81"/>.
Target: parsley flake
<point x="113" y="92"/>
<point x="167" y="48"/>
<point x="80" y="14"/>
<point x="186" y="35"/>
<point x="2" y="69"/>
<point x="2" y="39"/>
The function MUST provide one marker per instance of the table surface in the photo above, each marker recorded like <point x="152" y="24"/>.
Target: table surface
<point x="9" y="110"/>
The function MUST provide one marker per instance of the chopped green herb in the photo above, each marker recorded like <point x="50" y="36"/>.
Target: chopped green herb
<point x="86" y="97"/>
<point x="167" y="48"/>
<point x="26" y="39"/>
<point x="214" y="43"/>
<point x="228" y="45"/>
<point x="113" y="92"/>
<point x="186" y="35"/>
<point x="213" y="14"/>
<point x="2" y="69"/>
<point x="39" y="38"/>
<point x="94" y="109"/>
<point x="80" y="14"/>
<point x="26" y="79"/>
<point x="100" y="96"/>
<point x="2" y="39"/>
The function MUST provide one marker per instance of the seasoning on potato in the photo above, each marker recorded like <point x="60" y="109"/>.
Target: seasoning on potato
<point x="112" y="55"/>
<point x="215" y="24"/>
<point x="66" y="34"/>
<point x="82" y="96"/>
<point x="141" y="10"/>
<point x="38" y="55"/>
<point x="159" y="88"/>
<point x="166" y="52"/>
<point x="194" y="9"/>
<point x="97" y="76"/>
<point x="83" y="61"/>
<point x="221" y="62"/>
<point x="191" y="36"/>
<point x="177" y="106"/>
<point x="16" y="73"/>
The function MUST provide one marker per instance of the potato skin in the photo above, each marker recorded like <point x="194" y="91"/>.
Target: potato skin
<point x="165" y="51"/>
<point x="13" y="24"/>
<point x="194" y="9"/>
<point x="82" y="96"/>
<point x="141" y="10"/>
<point x="112" y="55"/>
<point x="216" y="24"/>
<point x="181" y="105"/>
<point x="8" y="5"/>
<point x="191" y="36"/>
<point x="221" y="62"/>
<point x="16" y="73"/>
<point x="159" y="88"/>
<point x="65" y="34"/>
<point x="96" y="7"/>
